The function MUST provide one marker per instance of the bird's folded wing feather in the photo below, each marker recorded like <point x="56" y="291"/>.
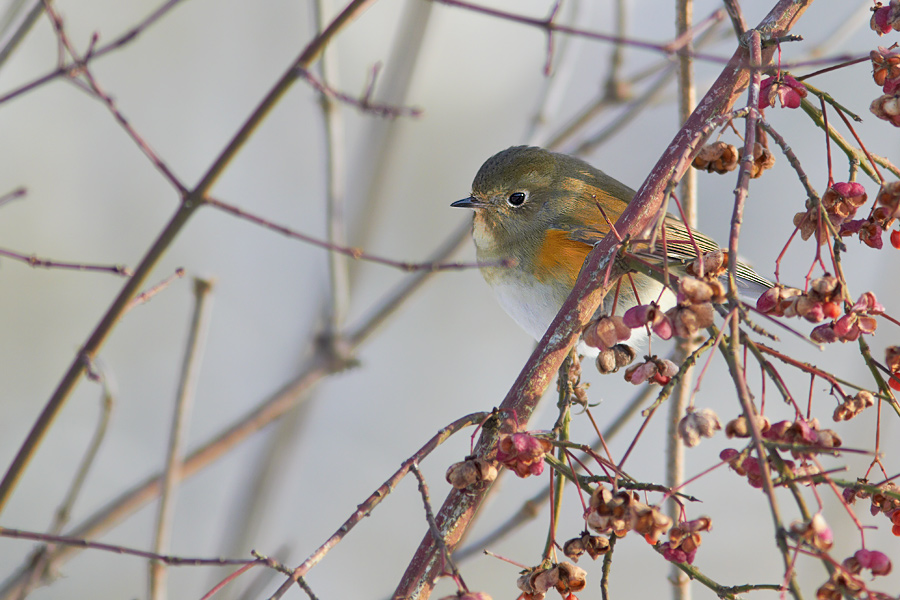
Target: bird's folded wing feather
<point x="681" y="248"/>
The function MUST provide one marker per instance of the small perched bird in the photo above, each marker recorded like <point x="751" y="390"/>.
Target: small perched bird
<point x="542" y="209"/>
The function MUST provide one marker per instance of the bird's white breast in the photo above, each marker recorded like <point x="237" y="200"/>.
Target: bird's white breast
<point x="532" y="305"/>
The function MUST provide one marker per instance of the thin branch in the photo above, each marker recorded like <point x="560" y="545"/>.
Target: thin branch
<point x="13" y="195"/>
<point x="617" y="93"/>
<point x="37" y="9"/>
<point x="84" y="79"/>
<point x="71" y="68"/>
<point x="335" y="187"/>
<point x="732" y="350"/>
<point x="176" y="561"/>
<point x="364" y="103"/>
<point x="355" y="253"/>
<point x="180" y="421"/>
<point x="148" y="294"/>
<point x="736" y="14"/>
<point x="550" y="26"/>
<point x="41" y="557"/>
<point x="432" y="526"/>
<point x="673" y="47"/>
<point x="34" y="261"/>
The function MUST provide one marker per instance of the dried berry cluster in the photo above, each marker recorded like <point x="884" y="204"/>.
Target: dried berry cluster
<point x="823" y="301"/>
<point x="696" y="294"/>
<point x="781" y="89"/>
<point x="607" y="334"/>
<point x="845" y="583"/>
<point x="883" y="502"/>
<point x="839" y="202"/>
<point x="892" y="361"/>
<point x="816" y="533"/>
<point x="521" y="452"/>
<point x="853" y="405"/>
<point x="722" y="157"/>
<point x="803" y="432"/>
<point x="594" y="545"/>
<point x="748" y="466"/>
<point x="696" y="424"/>
<point x="685" y="539"/>
<point x="617" y="513"/>
<point x="652" y="370"/>
<point x="871" y="229"/>
<point x="886" y="64"/>
<point x="565" y="577"/>
<point x="805" y="435"/>
<point x="885" y="18"/>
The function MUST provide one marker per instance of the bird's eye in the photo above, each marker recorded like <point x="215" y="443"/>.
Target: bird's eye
<point x="516" y="199"/>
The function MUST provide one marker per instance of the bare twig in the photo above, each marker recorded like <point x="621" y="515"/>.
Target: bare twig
<point x="733" y="346"/>
<point x="364" y="103"/>
<point x="70" y="68"/>
<point x="34" y="261"/>
<point x="355" y="253"/>
<point x="148" y="294"/>
<point x="335" y="184"/>
<point x="77" y="542"/>
<point x="180" y="422"/>
<point x="84" y="79"/>
<point x="37" y="8"/>
<point x="736" y="14"/>
<point x="13" y="195"/>
<point x="618" y="92"/>
<point x="432" y="526"/>
<point x="63" y="513"/>
<point x="550" y="26"/>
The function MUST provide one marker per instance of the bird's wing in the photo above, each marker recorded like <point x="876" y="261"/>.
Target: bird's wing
<point x="681" y="248"/>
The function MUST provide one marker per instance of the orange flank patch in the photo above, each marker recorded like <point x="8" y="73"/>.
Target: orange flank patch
<point x="560" y="257"/>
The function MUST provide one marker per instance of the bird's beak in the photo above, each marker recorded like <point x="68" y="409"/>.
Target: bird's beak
<point x="470" y="202"/>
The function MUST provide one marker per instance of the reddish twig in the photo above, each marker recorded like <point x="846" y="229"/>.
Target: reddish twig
<point x="146" y="295"/>
<point x="176" y="561"/>
<point x="231" y="577"/>
<point x="364" y="103"/>
<point x="13" y="195"/>
<point x="70" y="68"/>
<point x="34" y="261"/>
<point x="356" y="253"/>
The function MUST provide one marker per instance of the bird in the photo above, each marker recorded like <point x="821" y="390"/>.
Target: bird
<point x="538" y="215"/>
